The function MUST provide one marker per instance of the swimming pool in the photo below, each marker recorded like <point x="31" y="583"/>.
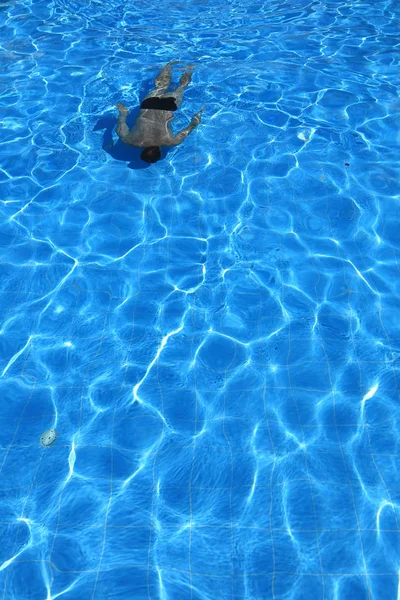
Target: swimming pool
<point x="214" y="337"/>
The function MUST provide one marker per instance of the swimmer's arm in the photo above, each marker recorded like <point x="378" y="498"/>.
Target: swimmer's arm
<point x="122" y="128"/>
<point x="196" y="119"/>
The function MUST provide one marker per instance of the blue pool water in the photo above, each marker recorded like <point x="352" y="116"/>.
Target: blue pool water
<point x="215" y="337"/>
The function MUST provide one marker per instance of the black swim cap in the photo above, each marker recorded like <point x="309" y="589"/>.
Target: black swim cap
<point x="151" y="155"/>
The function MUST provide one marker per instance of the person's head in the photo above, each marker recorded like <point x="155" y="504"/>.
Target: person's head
<point x="151" y="155"/>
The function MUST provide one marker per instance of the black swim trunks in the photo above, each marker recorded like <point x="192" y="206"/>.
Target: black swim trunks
<point x="156" y="103"/>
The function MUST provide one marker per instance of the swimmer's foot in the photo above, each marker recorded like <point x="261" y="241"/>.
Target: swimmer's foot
<point x="122" y="109"/>
<point x="185" y="79"/>
<point x="188" y="67"/>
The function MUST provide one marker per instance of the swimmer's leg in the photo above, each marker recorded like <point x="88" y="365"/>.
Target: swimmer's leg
<point x="183" y="83"/>
<point x="163" y="79"/>
<point x="122" y="127"/>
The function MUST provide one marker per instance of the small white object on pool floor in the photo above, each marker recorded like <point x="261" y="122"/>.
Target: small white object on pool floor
<point x="48" y="437"/>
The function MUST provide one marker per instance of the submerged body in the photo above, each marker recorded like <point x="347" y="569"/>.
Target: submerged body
<point x="152" y="128"/>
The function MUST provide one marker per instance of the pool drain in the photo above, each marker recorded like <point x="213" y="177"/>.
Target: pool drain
<point x="48" y="437"/>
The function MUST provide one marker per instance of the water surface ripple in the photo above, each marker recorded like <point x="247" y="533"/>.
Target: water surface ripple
<point x="215" y="338"/>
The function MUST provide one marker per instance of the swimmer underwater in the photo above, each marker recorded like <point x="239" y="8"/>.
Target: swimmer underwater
<point x="152" y="127"/>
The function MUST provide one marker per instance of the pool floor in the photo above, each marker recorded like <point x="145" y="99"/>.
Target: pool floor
<point x="214" y="337"/>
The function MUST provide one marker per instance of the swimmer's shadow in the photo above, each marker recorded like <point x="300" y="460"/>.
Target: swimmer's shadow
<point x="117" y="149"/>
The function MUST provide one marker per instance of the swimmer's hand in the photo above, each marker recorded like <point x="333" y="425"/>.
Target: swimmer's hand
<point x="196" y="119"/>
<point x="122" y="108"/>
